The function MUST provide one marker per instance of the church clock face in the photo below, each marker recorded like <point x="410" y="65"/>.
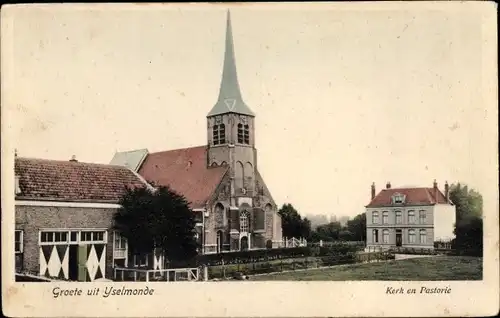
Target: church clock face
<point x="218" y="120"/>
<point x="243" y="119"/>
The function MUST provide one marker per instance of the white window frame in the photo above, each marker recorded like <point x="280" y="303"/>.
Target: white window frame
<point x="375" y="236"/>
<point x="385" y="236"/>
<point x="423" y="236"/>
<point x="411" y="217"/>
<point x="244" y="222"/>
<point x="21" y="241"/>
<point x="399" y="217"/>
<point x="411" y="236"/>
<point x="398" y="198"/>
<point x="68" y="240"/>
<point x="120" y="252"/>
<point x="385" y="217"/>
<point x="422" y="217"/>
<point x="375" y="217"/>
<point x="145" y="264"/>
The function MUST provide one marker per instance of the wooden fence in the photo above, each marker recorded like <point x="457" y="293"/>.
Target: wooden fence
<point x="164" y="275"/>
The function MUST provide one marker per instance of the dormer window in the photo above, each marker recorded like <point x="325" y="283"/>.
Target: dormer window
<point x="398" y="198"/>
<point x="219" y="134"/>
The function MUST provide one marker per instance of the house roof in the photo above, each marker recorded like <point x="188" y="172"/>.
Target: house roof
<point x="414" y="196"/>
<point x="71" y="181"/>
<point x="185" y="171"/>
<point x="230" y="99"/>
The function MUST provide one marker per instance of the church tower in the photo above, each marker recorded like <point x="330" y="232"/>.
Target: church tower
<point x="231" y="128"/>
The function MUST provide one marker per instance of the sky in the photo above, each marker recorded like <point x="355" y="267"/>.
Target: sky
<point x="344" y="94"/>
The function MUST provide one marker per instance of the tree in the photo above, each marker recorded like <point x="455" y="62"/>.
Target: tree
<point x="157" y="219"/>
<point x="357" y="227"/>
<point x="292" y="223"/>
<point x="469" y="225"/>
<point x="305" y="228"/>
<point x="346" y="235"/>
<point x="468" y="202"/>
<point x="327" y="232"/>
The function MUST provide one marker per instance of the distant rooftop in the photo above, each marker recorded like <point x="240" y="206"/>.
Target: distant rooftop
<point x="131" y="159"/>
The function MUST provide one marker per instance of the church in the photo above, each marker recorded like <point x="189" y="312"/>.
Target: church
<point x="234" y="208"/>
<point x="64" y="209"/>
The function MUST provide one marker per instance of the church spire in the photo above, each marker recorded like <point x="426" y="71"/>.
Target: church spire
<point x="230" y="100"/>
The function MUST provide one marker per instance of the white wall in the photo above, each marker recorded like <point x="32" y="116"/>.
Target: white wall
<point x="444" y="222"/>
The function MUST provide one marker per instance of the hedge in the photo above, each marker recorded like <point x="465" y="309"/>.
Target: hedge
<point x="252" y="256"/>
<point x="279" y="265"/>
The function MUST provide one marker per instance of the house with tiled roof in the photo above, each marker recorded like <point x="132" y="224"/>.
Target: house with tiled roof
<point x="409" y="217"/>
<point x="64" y="218"/>
<point x="220" y="179"/>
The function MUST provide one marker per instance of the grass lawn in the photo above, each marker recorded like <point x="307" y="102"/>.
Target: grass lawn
<point x="427" y="268"/>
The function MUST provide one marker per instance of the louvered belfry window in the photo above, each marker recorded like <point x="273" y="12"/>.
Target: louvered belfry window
<point x="243" y="134"/>
<point x="219" y="134"/>
<point x="246" y="135"/>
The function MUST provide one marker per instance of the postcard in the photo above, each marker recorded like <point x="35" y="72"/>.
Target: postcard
<point x="256" y="159"/>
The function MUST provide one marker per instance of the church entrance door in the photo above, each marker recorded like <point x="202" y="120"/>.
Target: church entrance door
<point x="219" y="241"/>
<point x="244" y="243"/>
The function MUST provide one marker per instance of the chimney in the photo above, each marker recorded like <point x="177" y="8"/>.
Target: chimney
<point x="447" y="191"/>
<point x="15" y="153"/>
<point x="373" y="190"/>
<point x="73" y="159"/>
<point x="436" y="190"/>
<point x="388" y="185"/>
<point x="18" y="187"/>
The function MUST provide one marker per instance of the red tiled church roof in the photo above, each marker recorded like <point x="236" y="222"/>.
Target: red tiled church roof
<point x="414" y="196"/>
<point x="185" y="171"/>
<point x="71" y="181"/>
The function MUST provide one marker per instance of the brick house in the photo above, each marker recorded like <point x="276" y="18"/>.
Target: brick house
<point x="64" y="215"/>
<point x="409" y="217"/>
<point x="221" y="179"/>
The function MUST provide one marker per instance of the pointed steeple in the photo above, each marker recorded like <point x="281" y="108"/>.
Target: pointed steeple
<point x="230" y="100"/>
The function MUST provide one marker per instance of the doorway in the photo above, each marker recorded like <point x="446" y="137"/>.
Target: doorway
<point x="244" y="243"/>
<point x="73" y="262"/>
<point x="399" y="238"/>
<point x="220" y="241"/>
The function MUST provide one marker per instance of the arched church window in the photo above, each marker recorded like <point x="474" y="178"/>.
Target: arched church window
<point x="248" y="182"/>
<point x="219" y="134"/>
<point x="244" y="226"/>
<point x="239" y="174"/>
<point x="268" y="208"/>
